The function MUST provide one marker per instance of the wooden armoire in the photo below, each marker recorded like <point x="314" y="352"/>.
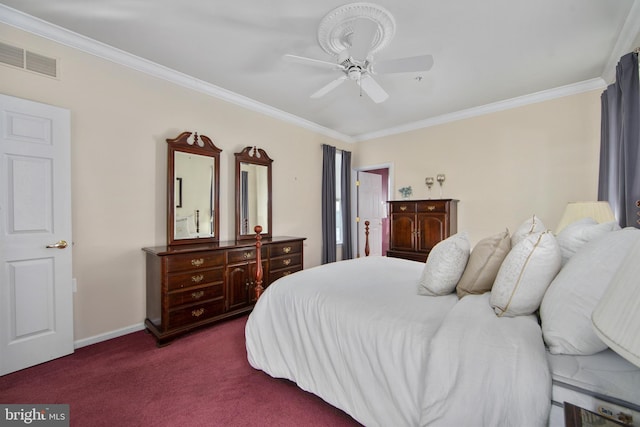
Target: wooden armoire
<point x="416" y="226"/>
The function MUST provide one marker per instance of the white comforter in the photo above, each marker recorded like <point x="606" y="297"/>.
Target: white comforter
<point x="357" y="334"/>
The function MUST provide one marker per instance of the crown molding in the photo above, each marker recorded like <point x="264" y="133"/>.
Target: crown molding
<point x="69" y="38"/>
<point x="573" y="89"/>
<point x="74" y="40"/>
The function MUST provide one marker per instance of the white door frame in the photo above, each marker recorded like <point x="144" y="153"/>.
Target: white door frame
<point x="354" y="190"/>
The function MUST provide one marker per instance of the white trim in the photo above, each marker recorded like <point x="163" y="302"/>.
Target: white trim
<point x="66" y="37"/>
<point x="61" y="35"/>
<point x="108" y="335"/>
<point x="533" y="98"/>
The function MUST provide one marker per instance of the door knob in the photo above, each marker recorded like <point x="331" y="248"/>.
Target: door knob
<point x="61" y="244"/>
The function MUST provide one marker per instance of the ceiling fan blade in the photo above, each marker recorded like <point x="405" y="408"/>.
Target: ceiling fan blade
<point x="313" y="62"/>
<point x="373" y="89"/>
<point x="328" y="88"/>
<point x="403" y="65"/>
<point x="364" y="31"/>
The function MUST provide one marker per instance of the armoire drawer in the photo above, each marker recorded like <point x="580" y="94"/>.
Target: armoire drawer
<point x="432" y="206"/>
<point x="402" y="207"/>
<point x="195" y="278"/>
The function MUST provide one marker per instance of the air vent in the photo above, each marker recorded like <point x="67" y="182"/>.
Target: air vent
<point x="30" y="61"/>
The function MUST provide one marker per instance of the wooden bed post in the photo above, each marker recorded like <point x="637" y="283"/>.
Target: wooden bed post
<point x="366" y="238"/>
<point x="259" y="273"/>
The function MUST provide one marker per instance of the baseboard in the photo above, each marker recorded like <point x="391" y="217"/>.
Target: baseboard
<point x="108" y="335"/>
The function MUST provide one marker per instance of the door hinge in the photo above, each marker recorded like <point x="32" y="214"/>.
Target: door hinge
<point x="357" y="219"/>
<point x="357" y="183"/>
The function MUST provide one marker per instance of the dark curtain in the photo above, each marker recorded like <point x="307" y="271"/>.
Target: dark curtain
<point x="619" y="181"/>
<point x="328" y="204"/>
<point x="345" y="180"/>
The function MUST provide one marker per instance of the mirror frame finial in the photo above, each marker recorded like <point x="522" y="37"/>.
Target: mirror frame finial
<point x="255" y="156"/>
<point x="204" y="146"/>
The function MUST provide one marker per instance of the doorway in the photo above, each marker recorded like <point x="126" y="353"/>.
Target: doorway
<point x="372" y="193"/>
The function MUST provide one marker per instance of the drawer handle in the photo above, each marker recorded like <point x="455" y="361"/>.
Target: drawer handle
<point x="286" y="273"/>
<point x="403" y="208"/>
<point x="286" y="249"/>
<point x="431" y="208"/>
<point x="198" y="278"/>
<point x="197" y="313"/>
<point x="197" y="295"/>
<point x="286" y="261"/>
<point x="247" y="255"/>
<point x="197" y="262"/>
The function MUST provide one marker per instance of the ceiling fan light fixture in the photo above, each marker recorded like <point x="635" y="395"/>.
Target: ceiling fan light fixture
<point x="354" y="73"/>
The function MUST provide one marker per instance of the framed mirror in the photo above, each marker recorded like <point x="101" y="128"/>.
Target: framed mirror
<point x="193" y="190"/>
<point x="253" y="192"/>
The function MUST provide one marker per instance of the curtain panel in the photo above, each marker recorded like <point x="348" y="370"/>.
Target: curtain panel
<point x="329" y="249"/>
<point x="345" y="183"/>
<point x="619" y="180"/>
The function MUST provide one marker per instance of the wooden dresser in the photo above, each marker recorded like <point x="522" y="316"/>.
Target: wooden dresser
<point x="189" y="286"/>
<point x="416" y="226"/>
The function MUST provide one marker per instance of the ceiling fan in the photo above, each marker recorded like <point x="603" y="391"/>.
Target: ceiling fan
<point x="353" y="33"/>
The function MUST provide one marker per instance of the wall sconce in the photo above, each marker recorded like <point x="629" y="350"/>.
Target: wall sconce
<point x="428" y="181"/>
<point x="440" y="178"/>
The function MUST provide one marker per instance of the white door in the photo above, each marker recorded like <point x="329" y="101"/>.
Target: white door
<point x="370" y="208"/>
<point x="36" y="301"/>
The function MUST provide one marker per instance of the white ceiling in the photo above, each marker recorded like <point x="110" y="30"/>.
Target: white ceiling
<point x="487" y="53"/>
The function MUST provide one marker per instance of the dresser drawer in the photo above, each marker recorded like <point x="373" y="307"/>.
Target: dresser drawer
<point x="403" y="207"/>
<point x="289" y="261"/>
<point x="241" y="255"/>
<point x="195" y="260"/>
<point x="276" y="274"/>
<point x="195" y="313"/>
<point x="195" y="294"/>
<point x="195" y="278"/>
<point x="434" y="206"/>
<point x="286" y="249"/>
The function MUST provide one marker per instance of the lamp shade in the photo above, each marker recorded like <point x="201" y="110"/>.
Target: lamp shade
<point x="599" y="211"/>
<point x="616" y="318"/>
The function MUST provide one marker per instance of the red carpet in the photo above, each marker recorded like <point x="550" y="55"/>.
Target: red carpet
<point x="202" y="379"/>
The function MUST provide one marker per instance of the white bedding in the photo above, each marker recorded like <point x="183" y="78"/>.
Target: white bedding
<point x="357" y="334"/>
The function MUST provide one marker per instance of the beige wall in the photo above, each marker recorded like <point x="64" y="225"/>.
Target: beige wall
<point x="120" y="120"/>
<point x="503" y="167"/>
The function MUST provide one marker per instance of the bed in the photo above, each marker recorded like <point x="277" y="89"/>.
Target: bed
<point x="362" y="335"/>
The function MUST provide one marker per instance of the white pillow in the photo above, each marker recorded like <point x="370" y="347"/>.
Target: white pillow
<point x="445" y="265"/>
<point x="530" y="226"/>
<point x="525" y="275"/>
<point x="573" y="295"/>
<point x="575" y="235"/>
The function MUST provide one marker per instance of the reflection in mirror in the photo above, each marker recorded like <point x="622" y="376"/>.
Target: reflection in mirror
<point x="253" y="192"/>
<point x="254" y="197"/>
<point x="192" y="190"/>
<point x="194" y="211"/>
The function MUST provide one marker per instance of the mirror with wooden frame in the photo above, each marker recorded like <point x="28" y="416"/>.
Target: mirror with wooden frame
<point x="253" y="193"/>
<point x="193" y="190"/>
